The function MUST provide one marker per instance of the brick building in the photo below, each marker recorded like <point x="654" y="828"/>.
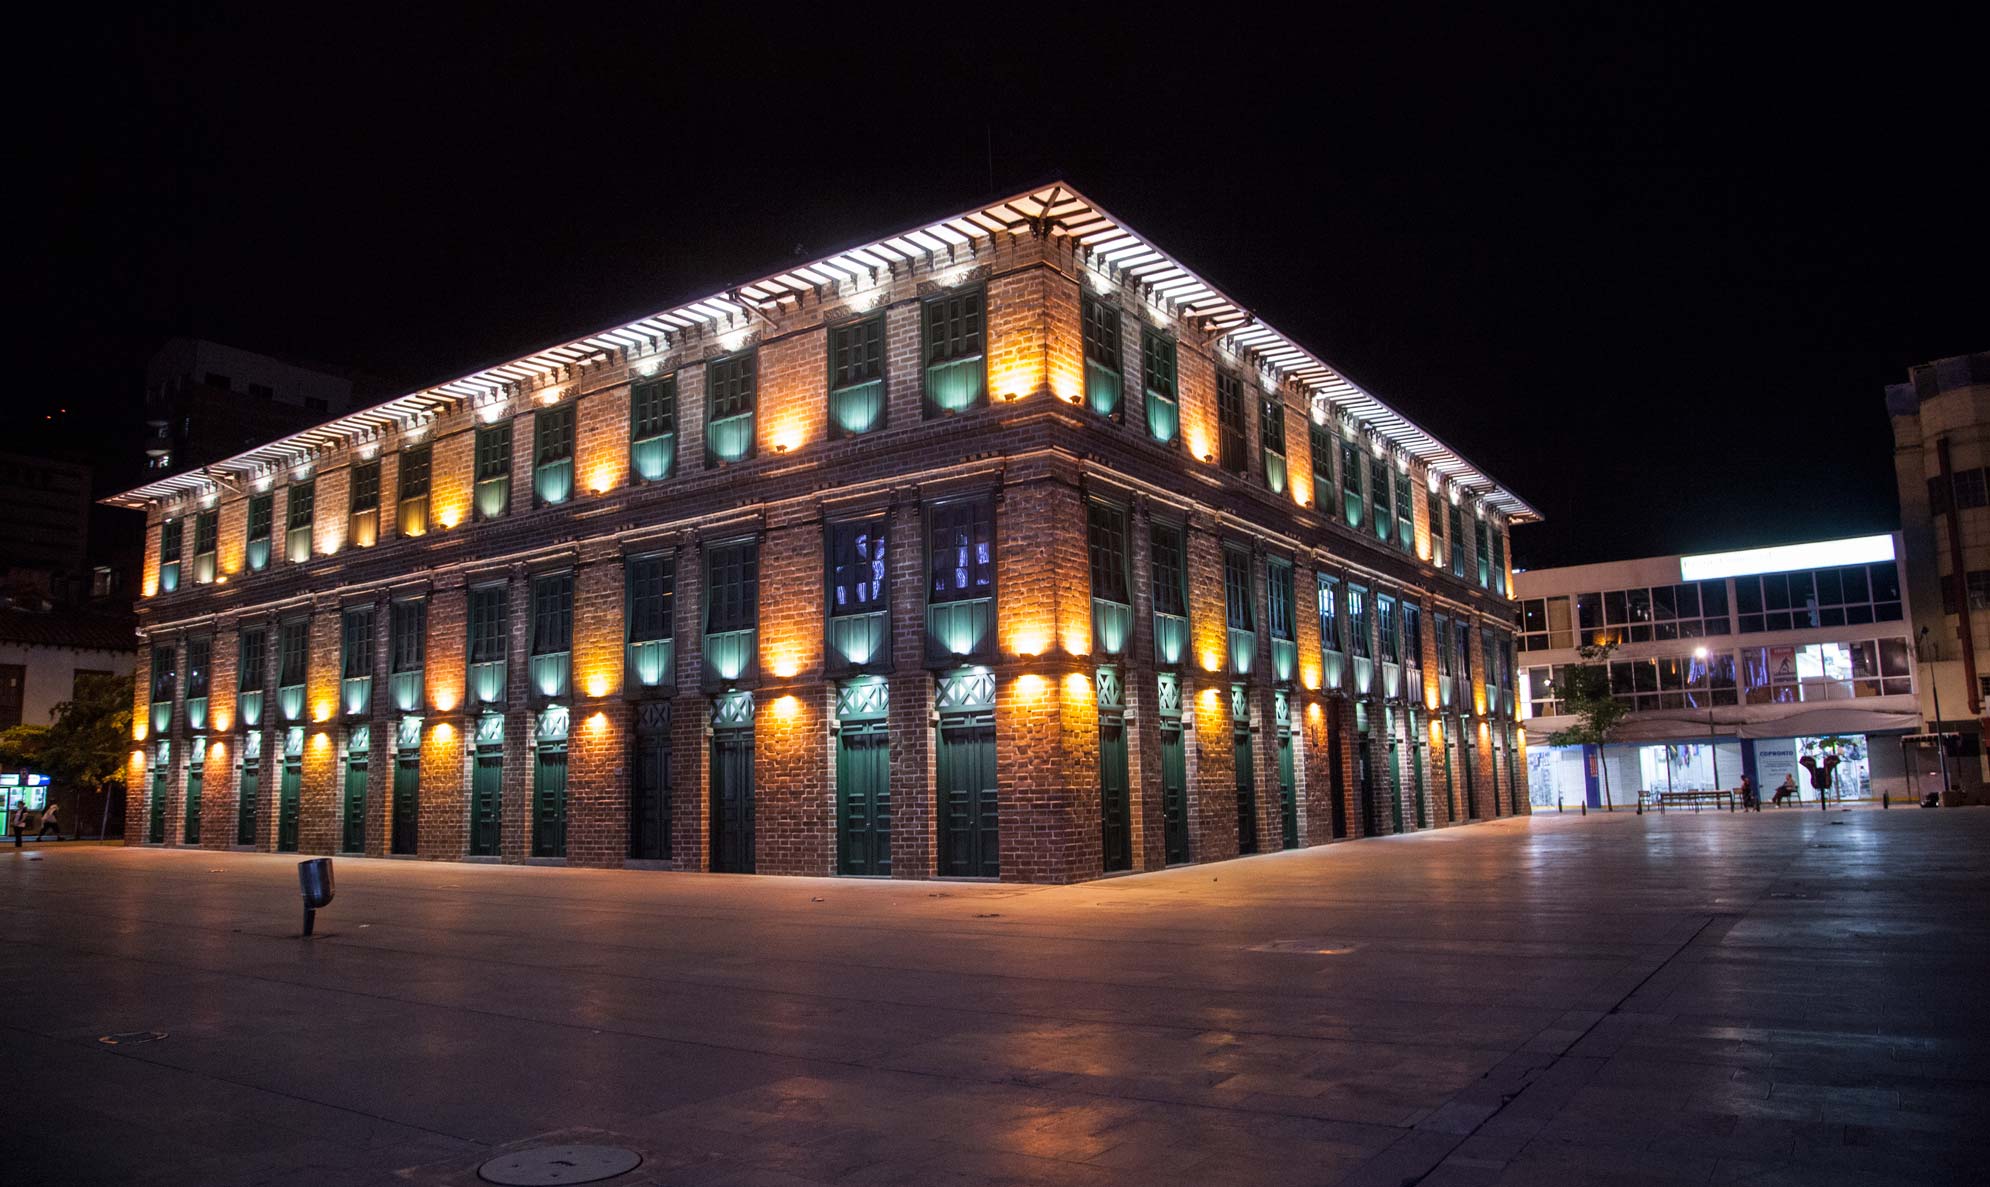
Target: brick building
<point x="1002" y="547"/>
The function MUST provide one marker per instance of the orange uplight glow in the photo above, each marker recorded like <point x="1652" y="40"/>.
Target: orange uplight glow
<point x="1030" y="686"/>
<point x="1077" y="686"/>
<point x="443" y="697"/>
<point x="1208" y="700"/>
<point x="151" y="586"/>
<point x="1211" y="661"/>
<point x="1313" y="710"/>
<point x="603" y="480"/>
<point x="786" y="706"/>
<point x="597" y="723"/>
<point x="221" y="721"/>
<point x="1436" y="731"/>
<point x="789" y="438"/>
<point x="319" y="741"/>
<point x="449" y="517"/>
<point x="1310" y="677"/>
<point x="322" y="711"/>
<point x="597" y="685"/>
<point x="1030" y="640"/>
<point x="138" y="731"/>
<point x="217" y="751"/>
<point x="443" y="732"/>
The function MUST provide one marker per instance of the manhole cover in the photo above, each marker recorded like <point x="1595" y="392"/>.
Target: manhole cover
<point x="559" y="1164"/>
<point x="127" y="1037"/>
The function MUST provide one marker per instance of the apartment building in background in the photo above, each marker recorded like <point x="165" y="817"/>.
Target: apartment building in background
<point x="1005" y="546"/>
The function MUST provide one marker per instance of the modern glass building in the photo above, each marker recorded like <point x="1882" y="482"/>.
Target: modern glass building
<point x="1792" y="661"/>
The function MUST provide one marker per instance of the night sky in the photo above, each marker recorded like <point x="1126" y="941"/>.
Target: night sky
<point x="1653" y="276"/>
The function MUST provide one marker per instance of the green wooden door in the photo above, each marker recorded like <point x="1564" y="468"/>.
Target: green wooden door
<point x="970" y="821"/>
<point x="649" y="786"/>
<point x="1336" y="781"/>
<point x="156" y="832"/>
<point x="549" y="802"/>
<point x="195" y="778"/>
<point x="1389" y="717"/>
<point x="407" y="802"/>
<point x="863" y="798"/>
<point x="287" y="797"/>
<point x="1288" y="795"/>
<point x="1418" y="801"/>
<point x="1174" y="793"/>
<point x="1115" y="808"/>
<point x="1247" y="792"/>
<point x="732" y="801"/>
<point x="353" y="839"/>
<point x="1467" y="751"/>
<point x="1364" y="786"/>
<point x="487" y="802"/>
<point x="246" y="803"/>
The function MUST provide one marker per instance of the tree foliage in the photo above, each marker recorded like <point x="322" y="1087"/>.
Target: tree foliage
<point x="86" y="745"/>
<point x="22" y="745"/>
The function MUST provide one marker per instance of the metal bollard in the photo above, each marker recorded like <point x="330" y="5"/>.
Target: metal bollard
<point x="314" y="882"/>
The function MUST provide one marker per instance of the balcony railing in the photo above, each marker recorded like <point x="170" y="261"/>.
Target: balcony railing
<point x="960" y="630"/>
<point x="956" y="385"/>
<point x="729" y="655"/>
<point x="1243" y="651"/>
<point x="1170" y="639"/>
<point x="1103" y="388"/>
<point x="1112" y="626"/>
<point x="857" y="641"/>
<point x="654" y="457"/>
<point x="356" y="695"/>
<point x="551" y="675"/>
<point x="858" y="408"/>
<point x="1284" y="660"/>
<point x="405" y="689"/>
<point x="487" y="682"/>
<point x="652" y="663"/>
<point x="730" y="438"/>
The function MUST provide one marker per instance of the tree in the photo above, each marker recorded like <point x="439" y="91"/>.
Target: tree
<point x="1584" y="690"/>
<point x="22" y="745"/>
<point x="87" y="744"/>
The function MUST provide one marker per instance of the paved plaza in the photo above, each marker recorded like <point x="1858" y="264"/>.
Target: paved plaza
<point x="1793" y="997"/>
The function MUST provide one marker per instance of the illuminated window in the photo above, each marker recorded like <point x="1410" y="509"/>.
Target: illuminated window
<point x="1168" y="575"/>
<point x="261" y="522"/>
<point x="553" y="454"/>
<point x="856" y="377"/>
<point x="364" y="515"/>
<point x="492" y="497"/>
<point x="1350" y="478"/>
<point x="206" y="531"/>
<point x="652" y="594"/>
<point x="249" y="672"/>
<point x="170" y="533"/>
<point x="1237" y="589"/>
<point x="408" y="631"/>
<point x="412" y="503"/>
<point x="1412" y="637"/>
<point x="1271" y="442"/>
<point x="1157" y="366"/>
<point x="961" y="552"/>
<point x="1278" y="598"/>
<point x="653" y="427"/>
<point x="200" y="659"/>
<point x="731" y="397"/>
<point x="1329" y="594"/>
<point x="956" y="375"/>
<point x="299" y="508"/>
<point x="732" y="586"/>
<point x="1103" y="386"/>
<point x="489" y="629"/>
<point x="857" y="568"/>
<point x="1106" y="543"/>
<point x="1230" y="451"/>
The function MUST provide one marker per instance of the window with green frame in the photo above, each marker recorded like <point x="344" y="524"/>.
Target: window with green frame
<point x="651" y="581"/>
<point x="1320" y="444"/>
<point x="206" y="534"/>
<point x="171" y="532"/>
<point x="1357" y="622"/>
<point x="731" y="396"/>
<point x="1112" y="577"/>
<point x="1103" y="364"/>
<point x="363" y="514"/>
<point x="492" y="491"/>
<point x="1271" y="441"/>
<point x="552" y="635"/>
<point x="1498" y="557"/>
<point x="299" y="510"/>
<point x="1278" y="598"/>
<point x="1157" y="370"/>
<point x="732" y="610"/>
<point x="1457" y="535"/>
<point x="200" y="661"/>
<point x="1484" y="548"/>
<point x="1434" y="512"/>
<point x="1381" y="496"/>
<point x="1385" y="629"/>
<point x="1230" y="451"/>
<point x="411" y="504"/>
<point x="489" y="643"/>
<point x="856" y="377"/>
<point x="553" y="454"/>
<point x="859" y="596"/>
<point x="1328" y="592"/>
<point x="653" y="427"/>
<point x="1405" y="513"/>
<point x="262" y="517"/>
<point x="1237" y="588"/>
<point x="356" y="665"/>
<point x="293" y="660"/>
<point x="956" y="368"/>
<point x="1167" y="583"/>
<point x="1413" y="641"/>
<point x="1350" y="481"/>
<point x="249" y="664"/>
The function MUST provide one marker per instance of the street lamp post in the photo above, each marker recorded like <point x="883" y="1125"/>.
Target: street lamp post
<point x="1941" y="751"/>
<point x="1713" y="740"/>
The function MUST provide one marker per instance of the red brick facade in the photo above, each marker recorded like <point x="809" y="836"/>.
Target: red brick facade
<point x="1033" y="449"/>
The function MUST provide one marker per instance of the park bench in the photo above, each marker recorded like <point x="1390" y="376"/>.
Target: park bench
<point x="1694" y="798"/>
